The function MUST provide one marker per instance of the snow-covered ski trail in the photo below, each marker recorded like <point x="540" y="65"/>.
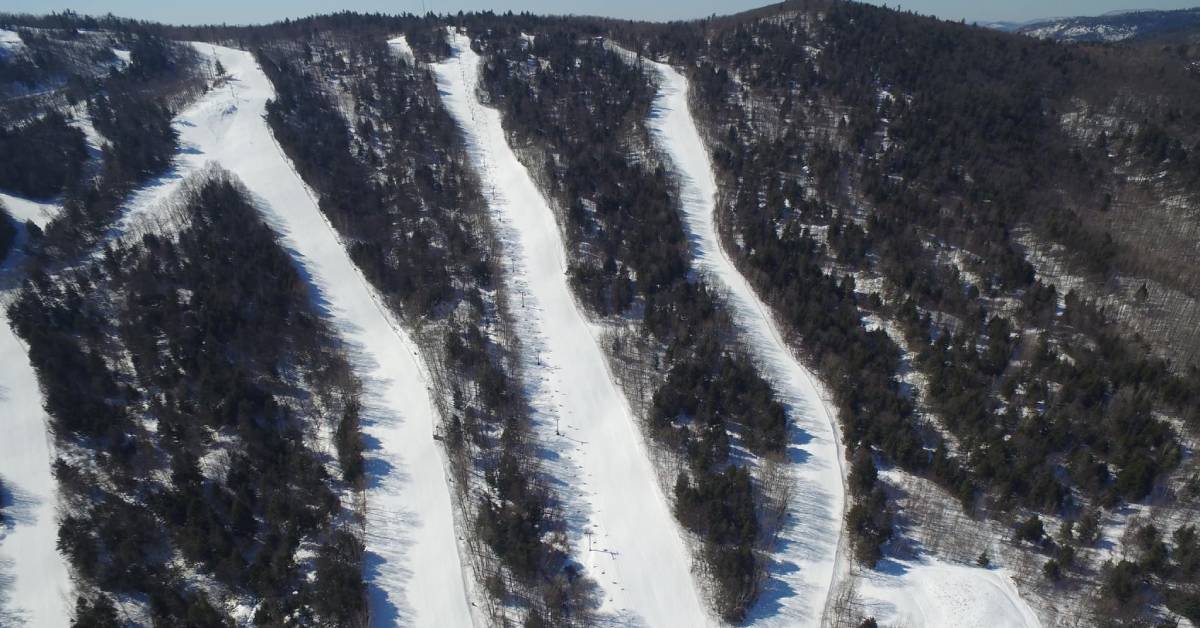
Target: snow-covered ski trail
<point x="413" y="568"/>
<point x="808" y="558"/>
<point x="629" y="543"/>
<point x="35" y="585"/>
<point x="811" y="559"/>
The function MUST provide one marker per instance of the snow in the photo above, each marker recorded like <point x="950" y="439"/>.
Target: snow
<point x="634" y="549"/>
<point x="10" y="41"/>
<point x="401" y="46"/>
<point x="808" y="559"/>
<point x="926" y="593"/>
<point x="413" y="568"/>
<point x="35" y="588"/>
<point x="124" y="57"/>
<point x="23" y="209"/>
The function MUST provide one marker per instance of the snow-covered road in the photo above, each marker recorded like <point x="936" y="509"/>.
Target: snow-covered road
<point x="635" y="551"/>
<point x="413" y="570"/>
<point x="807" y="560"/>
<point x="35" y="588"/>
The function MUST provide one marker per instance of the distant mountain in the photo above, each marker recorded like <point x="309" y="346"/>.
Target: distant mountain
<point x="1111" y="27"/>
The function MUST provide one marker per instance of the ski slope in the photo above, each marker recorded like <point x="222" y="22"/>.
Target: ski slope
<point x="928" y="593"/>
<point x="811" y="557"/>
<point x="807" y="560"/>
<point x="413" y="570"/>
<point x="35" y="587"/>
<point x="634" y="549"/>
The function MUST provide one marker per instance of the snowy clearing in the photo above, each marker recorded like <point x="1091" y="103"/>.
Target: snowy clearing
<point x="23" y="209"/>
<point x="401" y="46"/>
<point x="35" y="587"/>
<point x="939" y="594"/>
<point x="807" y="559"/>
<point x="10" y="42"/>
<point x="630" y="543"/>
<point x="413" y="570"/>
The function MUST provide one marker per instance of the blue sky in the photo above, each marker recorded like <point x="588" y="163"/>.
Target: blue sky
<point x="243" y="11"/>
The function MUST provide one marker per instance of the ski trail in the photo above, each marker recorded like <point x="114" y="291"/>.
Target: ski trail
<point x="413" y="569"/>
<point x="633" y="547"/>
<point x="35" y="585"/>
<point x="808" y="558"/>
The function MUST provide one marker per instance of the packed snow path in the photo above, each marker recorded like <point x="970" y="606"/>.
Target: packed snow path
<point x="35" y="587"/>
<point x="808" y="557"/>
<point x="634" y="549"/>
<point x="413" y="570"/>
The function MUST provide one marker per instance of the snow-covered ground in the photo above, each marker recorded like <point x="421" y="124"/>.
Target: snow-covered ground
<point x="401" y="46"/>
<point x="807" y="560"/>
<point x="23" y="209"/>
<point x="625" y="535"/>
<point x="413" y="570"/>
<point x="927" y="593"/>
<point x="35" y="588"/>
<point x="10" y="42"/>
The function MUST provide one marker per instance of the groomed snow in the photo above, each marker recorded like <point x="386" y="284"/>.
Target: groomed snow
<point x="10" y="41"/>
<point x="635" y="552"/>
<point x="927" y="593"/>
<point x="35" y="588"/>
<point x="23" y="209"/>
<point x="413" y="570"/>
<point x="401" y="46"/>
<point x="807" y="559"/>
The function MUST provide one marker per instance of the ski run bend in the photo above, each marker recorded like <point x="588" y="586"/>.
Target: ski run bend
<point x="808" y="559"/>
<point x="634" y="550"/>
<point x="412" y="566"/>
<point x="811" y="558"/>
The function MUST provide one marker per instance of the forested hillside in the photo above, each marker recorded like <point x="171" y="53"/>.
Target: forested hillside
<point x="983" y="244"/>
<point x="891" y="185"/>
<point x="576" y="112"/>
<point x="362" y="123"/>
<point x="189" y="416"/>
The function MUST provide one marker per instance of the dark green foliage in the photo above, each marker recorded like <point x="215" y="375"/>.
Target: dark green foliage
<point x="8" y="234"/>
<point x="870" y="526"/>
<point x="95" y="613"/>
<point x="41" y="158"/>
<point x="720" y="508"/>
<point x="1031" y="530"/>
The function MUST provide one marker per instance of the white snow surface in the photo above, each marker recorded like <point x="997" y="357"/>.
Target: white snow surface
<point x="401" y="46"/>
<point x="637" y="554"/>
<point x="10" y="41"/>
<point x="23" y="209"/>
<point x="35" y="587"/>
<point x="927" y="593"/>
<point x="808" y="559"/>
<point x="413" y="568"/>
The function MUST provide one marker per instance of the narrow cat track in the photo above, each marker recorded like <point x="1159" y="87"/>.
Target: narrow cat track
<point x="630" y="543"/>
